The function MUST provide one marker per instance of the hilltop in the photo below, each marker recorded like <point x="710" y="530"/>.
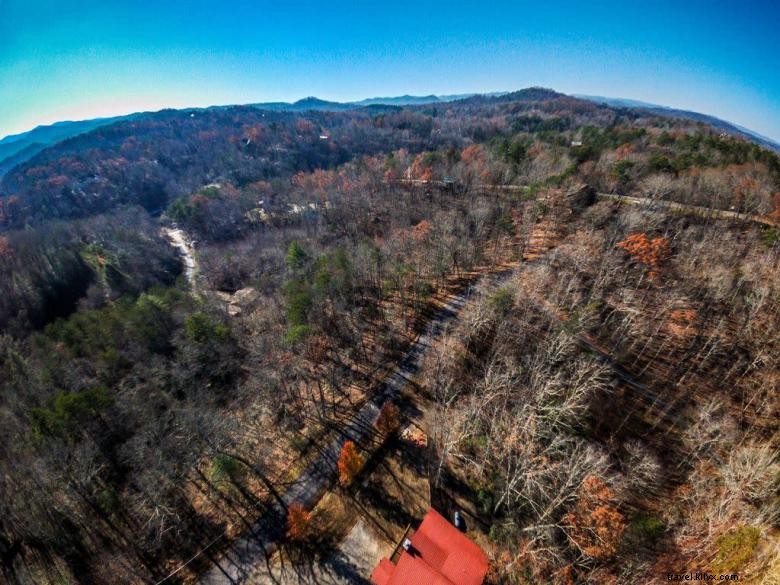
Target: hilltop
<point x="20" y="148"/>
<point x="139" y="160"/>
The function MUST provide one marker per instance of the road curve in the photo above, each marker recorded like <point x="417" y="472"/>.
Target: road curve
<point x="179" y="240"/>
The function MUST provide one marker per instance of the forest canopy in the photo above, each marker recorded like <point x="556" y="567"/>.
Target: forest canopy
<point x="606" y="397"/>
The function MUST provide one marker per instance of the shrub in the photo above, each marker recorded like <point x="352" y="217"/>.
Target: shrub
<point x="151" y="322"/>
<point x="389" y="419"/>
<point x="486" y="501"/>
<point x="69" y="411"/>
<point x="660" y="163"/>
<point x="621" y="170"/>
<point x="300" y="443"/>
<point x="108" y="500"/>
<point x="297" y="333"/>
<point x="299" y="301"/>
<point x="225" y="469"/>
<point x="648" y="527"/>
<point x="736" y="548"/>
<point x="770" y="236"/>
<point x="350" y="463"/>
<point x="424" y="289"/>
<point x="595" y="525"/>
<point x="199" y="329"/>
<point x="298" y="522"/>
<point x="296" y="256"/>
<point x="501" y="301"/>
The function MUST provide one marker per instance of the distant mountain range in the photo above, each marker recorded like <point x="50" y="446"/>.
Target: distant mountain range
<point x="313" y="103"/>
<point x="19" y="148"/>
<point x="412" y="100"/>
<point x="658" y="110"/>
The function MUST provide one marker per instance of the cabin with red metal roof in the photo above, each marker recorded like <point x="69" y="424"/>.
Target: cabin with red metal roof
<point x="437" y="554"/>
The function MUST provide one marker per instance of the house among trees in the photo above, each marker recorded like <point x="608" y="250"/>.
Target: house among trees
<point x="437" y="554"/>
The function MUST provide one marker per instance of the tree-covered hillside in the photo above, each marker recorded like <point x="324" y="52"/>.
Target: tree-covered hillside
<point x="155" y="158"/>
<point x="603" y="406"/>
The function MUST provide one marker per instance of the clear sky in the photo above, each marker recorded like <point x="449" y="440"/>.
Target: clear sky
<point x="76" y="59"/>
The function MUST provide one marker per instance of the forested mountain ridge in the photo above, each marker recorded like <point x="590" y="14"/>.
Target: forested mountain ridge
<point x="153" y="160"/>
<point x="95" y="170"/>
<point x="21" y="147"/>
<point x="733" y="129"/>
<point x="606" y="412"/>
<point x="161" y="161"/>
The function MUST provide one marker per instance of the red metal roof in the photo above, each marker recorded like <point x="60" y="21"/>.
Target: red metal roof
<point x="440" y="555"/>
<point x="412" y="570"/>
<point x="383" y="572"/>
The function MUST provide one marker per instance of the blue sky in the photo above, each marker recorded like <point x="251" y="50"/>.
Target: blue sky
<point x="76" y="59"/>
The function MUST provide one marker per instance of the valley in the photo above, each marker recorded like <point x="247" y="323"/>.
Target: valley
<point x="556" y="317"/>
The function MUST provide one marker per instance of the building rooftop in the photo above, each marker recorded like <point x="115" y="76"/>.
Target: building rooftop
<point x="439" y="555"/>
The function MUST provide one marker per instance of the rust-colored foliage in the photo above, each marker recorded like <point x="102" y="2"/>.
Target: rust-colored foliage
<point x="350" y="463"/>
<point x="682" y="321"/>
<point x="57" y="181"/>
<point x="207" y="136"/>
<point x="416" y="233"/>
<point x="37" y="172"/>
<point x="775" y="213"/>
<point x="304" y="126"/>
<point x="475" y="160"/>
<point x="321" y="182"/>
<point x="472" y="154"/>
<point x="649" y="251"/>
<point x="298" y="521"/>
<point x="746" y="187"/>
<point x="420" y="230"/>
<point x="5" y="247"/>
<point x="199" y="200"/>
<point x="595" y="525"/>
<point x="564" y="576"/>
<point x="262" y="188"/>
<point x="422" y="169"/>
<point x="389" y="419"/>
<point x="252" y="133"/>
<point x="624" y="151"/>
<point x="391" y="175"/>
<point x="683" y="316"/>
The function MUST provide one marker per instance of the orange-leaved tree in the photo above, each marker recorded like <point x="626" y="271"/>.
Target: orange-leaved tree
<point x="475" y="163"/>
<point x="649" y="251"/>
<point x="422" y="167"/>
<point x="298" y="520"/>
<point x="350" y="463"/>
<point x="595" y="525"/>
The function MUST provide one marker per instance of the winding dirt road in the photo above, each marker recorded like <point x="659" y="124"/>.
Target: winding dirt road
<point x="254" y="549"/>
<point x="180" y="241"/>
<point x="689" y="209"/>
<point x="628" y="199"/>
